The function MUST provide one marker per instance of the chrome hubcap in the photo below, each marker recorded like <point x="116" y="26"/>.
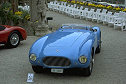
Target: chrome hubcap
<point x="91" y="64"/>
<point x="14" y="39"/>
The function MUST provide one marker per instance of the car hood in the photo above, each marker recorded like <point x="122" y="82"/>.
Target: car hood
<point x="62" y="39"/>
<point x="7" y="26"/>
<point x="62" y="43"/>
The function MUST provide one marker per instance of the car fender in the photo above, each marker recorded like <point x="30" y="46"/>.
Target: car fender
<point x="98" y="33"/>
<point x="86" y="49"/>
<point x="22" y="31"/>
<point x="4" y="36"/>
<point x="37" y="46"/>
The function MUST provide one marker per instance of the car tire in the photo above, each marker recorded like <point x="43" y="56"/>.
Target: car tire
<point x="98" y="49"/>
<point x="37" y="69"/>
<point x="13" y="40"/>
<point x="88" y="70"/>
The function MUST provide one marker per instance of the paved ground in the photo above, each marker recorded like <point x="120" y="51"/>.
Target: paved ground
<point x="109" y="67"/>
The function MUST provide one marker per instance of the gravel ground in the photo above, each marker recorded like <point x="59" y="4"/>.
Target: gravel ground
<point x="109" y="67"/>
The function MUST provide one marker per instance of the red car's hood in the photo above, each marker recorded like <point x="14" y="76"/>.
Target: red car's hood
<point x="7" y="26"/>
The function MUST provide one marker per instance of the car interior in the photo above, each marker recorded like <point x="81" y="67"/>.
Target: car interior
<point x="2" y="28"/>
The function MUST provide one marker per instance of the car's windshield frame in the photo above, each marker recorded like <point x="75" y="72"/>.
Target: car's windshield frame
<point x="77" y="27"/>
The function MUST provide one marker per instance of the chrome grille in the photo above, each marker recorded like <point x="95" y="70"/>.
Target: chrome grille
<point x="56" y="61"/>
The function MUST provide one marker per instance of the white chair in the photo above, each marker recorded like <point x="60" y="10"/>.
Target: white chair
<point x="123" y="27"/>
<point x="63" y="7"/>
<point x="83" y="13"/>
<point x="105" y="17"/>
<point x="70" y="10"/>
<point x="95" y="15"/>
<point x="25" y="8"/>
<point x="110" y="19"/>
<point x="120" y="22"/>
<point x="60" y="7"/>
<point x="56" y="6"/>
<point x="77" y="11"/>
<point x="50" y="5"/>
<point x="21" y="7"/>
<point x="89" y="14"/>
<point x="115" y="17"/>
<point x="80" y="11"/>
<point x="103" y="13"/>
<point x="73" y="10"/>
<point x="66" y="9"/>
<point x="75" y="5"/>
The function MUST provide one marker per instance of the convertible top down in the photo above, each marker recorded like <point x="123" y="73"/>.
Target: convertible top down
<point x="71" y="46"/>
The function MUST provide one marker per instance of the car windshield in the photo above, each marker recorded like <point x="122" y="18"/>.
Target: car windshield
<point x="2" y="28"/>
<point x="76" y="27"/>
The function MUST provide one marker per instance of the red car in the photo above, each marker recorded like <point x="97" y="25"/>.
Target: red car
<point x="12" y="35"/>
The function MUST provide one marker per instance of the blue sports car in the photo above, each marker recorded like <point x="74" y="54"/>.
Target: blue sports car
<point x="71" y="46"/>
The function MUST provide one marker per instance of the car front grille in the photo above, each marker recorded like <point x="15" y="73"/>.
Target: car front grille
<point x="56" y="61"/>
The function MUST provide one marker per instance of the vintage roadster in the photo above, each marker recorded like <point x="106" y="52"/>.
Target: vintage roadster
<point x="12" y="35"/>
<point x="71" y="46"/>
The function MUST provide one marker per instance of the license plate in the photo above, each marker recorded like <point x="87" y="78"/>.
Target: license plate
<point x="57" y="70"/>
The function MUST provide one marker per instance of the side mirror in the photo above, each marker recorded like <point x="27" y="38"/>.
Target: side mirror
<point x="94" y="30"/>
<point x="49" y="18"/>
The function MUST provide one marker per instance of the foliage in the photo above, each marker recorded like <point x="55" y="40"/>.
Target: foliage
<point x="73" y="1"/>
<point x="124" y="10"/>
<point x="6" y="14"/>
<point x="109" y="7"/>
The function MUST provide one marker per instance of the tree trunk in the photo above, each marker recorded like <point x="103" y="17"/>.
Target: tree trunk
<point x="14" y="4"/>
<point x="33" y="12"/>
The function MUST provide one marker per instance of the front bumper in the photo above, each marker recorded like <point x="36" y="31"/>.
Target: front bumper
<point x="74" y="64"/>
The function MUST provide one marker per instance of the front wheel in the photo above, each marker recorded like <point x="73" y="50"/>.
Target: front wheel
<point x="98" y="49"/>
<point x="88" y="70"/>
<point x="13" y="40"/>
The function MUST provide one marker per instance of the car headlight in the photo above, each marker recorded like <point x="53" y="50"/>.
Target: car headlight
<point x="82" y="59"/>
<point x="32" y="57"/>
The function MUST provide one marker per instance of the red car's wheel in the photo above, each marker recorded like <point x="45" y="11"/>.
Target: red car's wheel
<point x="13" y="39"/>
